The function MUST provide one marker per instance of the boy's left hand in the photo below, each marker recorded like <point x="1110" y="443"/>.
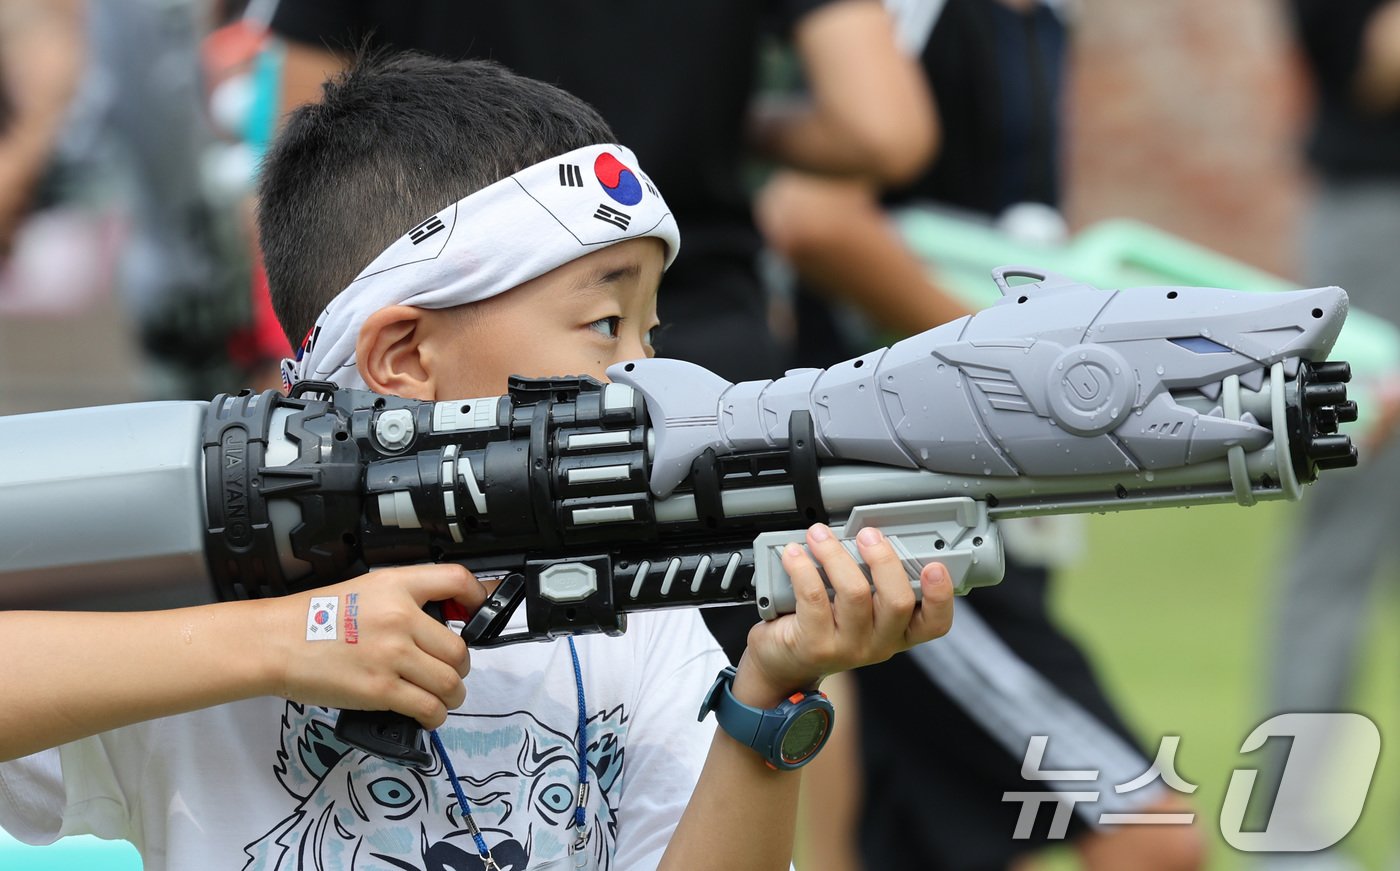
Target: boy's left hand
<point x="856" y="627"/>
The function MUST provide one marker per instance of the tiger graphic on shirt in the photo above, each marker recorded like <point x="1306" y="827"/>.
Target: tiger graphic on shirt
<point x="357" y="812"/>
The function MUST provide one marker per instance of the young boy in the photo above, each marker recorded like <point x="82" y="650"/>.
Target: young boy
<point x="502" y="180"/>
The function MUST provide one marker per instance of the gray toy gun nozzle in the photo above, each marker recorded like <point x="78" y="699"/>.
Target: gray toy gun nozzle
<point x="1058" y="379"/>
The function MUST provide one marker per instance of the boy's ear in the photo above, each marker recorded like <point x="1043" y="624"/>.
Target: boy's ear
<point x="390" y="356"/>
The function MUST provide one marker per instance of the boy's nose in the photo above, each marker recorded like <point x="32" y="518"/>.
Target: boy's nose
<point x="633" y="348"/>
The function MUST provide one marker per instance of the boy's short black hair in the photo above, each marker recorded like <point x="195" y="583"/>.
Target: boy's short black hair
<point x="394" y="140"/>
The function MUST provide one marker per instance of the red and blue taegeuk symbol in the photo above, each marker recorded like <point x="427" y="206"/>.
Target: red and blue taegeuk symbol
<point x="322" y="616"/>
<point x="620" y="182"/>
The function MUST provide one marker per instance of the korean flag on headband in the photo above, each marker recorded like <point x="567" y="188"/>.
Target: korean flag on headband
<point x="615" y="201"/>
<point x="592" y="196"/>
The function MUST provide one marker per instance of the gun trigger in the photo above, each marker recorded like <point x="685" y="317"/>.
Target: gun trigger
<point x="495" y="612"/>
<point x="454" y="610"/>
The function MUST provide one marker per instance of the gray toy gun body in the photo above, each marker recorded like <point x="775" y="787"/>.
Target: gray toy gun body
<point x="672" y="487"/>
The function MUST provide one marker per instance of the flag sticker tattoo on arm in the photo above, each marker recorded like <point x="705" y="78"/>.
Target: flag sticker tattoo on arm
<point x="321" y="617"/>
<point x="352" y="618"/>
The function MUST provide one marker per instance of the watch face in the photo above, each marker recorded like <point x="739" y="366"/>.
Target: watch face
<point x="805" y="735"/>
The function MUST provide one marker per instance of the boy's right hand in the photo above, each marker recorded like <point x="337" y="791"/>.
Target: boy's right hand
<point x="402" y="660"/>
<point x="867" y="620"/>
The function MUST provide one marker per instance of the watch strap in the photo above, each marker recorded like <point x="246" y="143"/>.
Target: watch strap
<point x="762" y="728"/>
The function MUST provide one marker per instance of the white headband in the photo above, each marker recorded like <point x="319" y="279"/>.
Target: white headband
<point x="489" y="242"/>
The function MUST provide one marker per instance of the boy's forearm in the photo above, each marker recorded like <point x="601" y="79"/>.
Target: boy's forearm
<point x="743" y="814"/>
<point x="111" y="670"/>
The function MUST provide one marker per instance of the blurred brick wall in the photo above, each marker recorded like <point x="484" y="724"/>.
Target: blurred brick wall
<point x="1186" y="114"/>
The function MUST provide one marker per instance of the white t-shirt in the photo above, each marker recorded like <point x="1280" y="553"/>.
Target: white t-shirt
<point x="264" y="783"/>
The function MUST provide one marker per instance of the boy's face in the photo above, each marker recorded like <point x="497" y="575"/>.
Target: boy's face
<point x="578" y="319"/>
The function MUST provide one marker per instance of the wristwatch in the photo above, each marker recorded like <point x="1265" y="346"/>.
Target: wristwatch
<point x="787" y="736"/>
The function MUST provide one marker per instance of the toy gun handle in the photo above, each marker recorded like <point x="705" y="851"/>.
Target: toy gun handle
<point x="387" y="734"/>
<point x="399" y="738"/>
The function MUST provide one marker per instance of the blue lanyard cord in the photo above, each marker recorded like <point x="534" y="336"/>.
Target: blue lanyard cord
<point x="461" y="797"/>
<point x="580" y="813"/>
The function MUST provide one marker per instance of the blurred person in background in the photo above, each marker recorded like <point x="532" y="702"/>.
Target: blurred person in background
<point x="185" y="265"/>
<point x="242" y="66"/>
<point x="113" y="90"/>
<point x="944" y="728"/>
<point x="1351" y="50"/>
<point x="676" y="81"/>
<point x="42" y="53"/>
<point x="57" y="250"/>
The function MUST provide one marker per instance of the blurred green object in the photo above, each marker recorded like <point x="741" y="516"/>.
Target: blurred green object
<point x="1120" y="254"/>
<point x="78" y="853"/>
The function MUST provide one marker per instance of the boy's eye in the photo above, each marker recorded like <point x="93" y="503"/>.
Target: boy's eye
<point x="608" y="327"/>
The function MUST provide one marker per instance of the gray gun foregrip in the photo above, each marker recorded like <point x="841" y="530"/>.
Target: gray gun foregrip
<point x="955" y="532"/>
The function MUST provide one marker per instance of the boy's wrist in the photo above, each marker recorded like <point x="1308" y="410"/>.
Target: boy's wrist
<point x="753" y="686"/>
<point x="270" y="658"/>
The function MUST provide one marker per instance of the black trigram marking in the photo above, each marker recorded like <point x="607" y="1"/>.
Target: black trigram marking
<point x="612" y="216"/>
<point x="570" y="176"/>
<point x="652" y="188"/>
<point x="425" y="229"/>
